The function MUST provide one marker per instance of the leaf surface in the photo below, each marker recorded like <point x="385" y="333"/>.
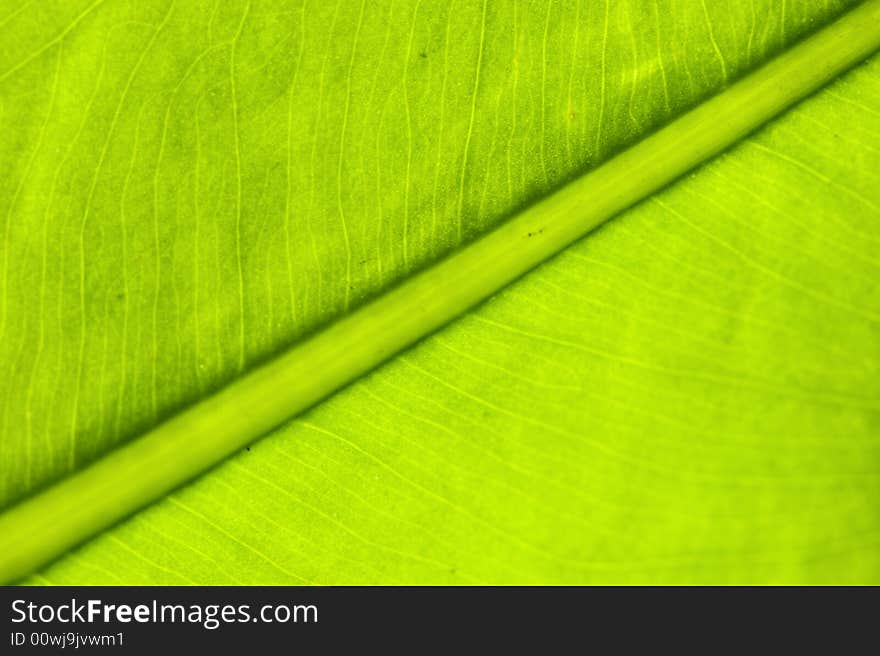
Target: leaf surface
<point x="690" y="394"/>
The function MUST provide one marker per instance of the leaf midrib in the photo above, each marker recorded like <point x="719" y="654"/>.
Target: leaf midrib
<point x="146" y="468"/>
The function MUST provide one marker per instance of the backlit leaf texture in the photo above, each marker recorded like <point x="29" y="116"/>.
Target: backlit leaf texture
<point x="688" y="395"/>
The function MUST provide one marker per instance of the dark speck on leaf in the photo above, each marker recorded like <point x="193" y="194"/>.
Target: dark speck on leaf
<point x="423" y="54"/>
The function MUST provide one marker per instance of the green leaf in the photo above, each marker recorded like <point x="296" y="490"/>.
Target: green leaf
<point x="688" y="395"/>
